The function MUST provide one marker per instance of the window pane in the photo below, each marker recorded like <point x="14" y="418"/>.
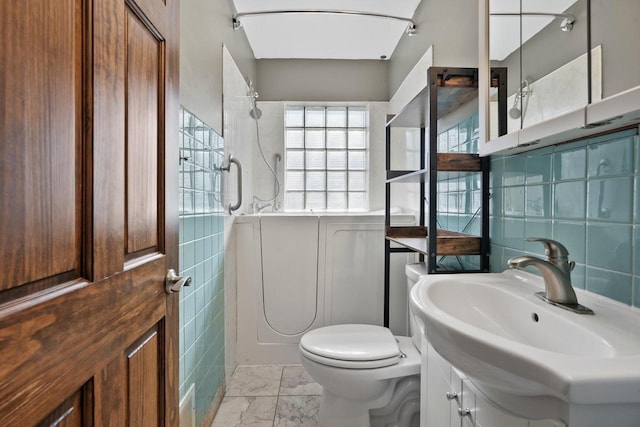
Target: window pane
<point x="357" y="139"/>
<point x="294" y="201"/>
<point x="336" y="181"/>
<point x="336" y="117"/>
<point x="295" y="181"/>
<point x="336" y="160"/>
<point x="356" y="201"/>
<point x="314" y="117"/>
<point x="356" y="160"/>
<point x="356" y="181"/>
<point x="295" y="138"/>
<point x="336" y="138"/>
<point x="314" y="138"/>
<point x="316" y="201"/>
<point x="295" y="159"/>
<point x="315" y="159"/>
<point x="357" y="117"/>
<point x="315" y="181"/>
<point x="336" y="201"/>
<point x="294" y="117"/>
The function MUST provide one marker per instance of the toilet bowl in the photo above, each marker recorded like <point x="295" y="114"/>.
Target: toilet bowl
<point x="368" y="376"/>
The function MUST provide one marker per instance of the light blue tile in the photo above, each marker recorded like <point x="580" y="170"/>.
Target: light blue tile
<point x="535" y="228"/>
<point x="497" y="254"/>
<point x="189" y="228"/>
<point x="189" y="308"/>
<point x="538" y="168"/>
<point x="636" y="291"/>
<point x="200" y="299"/>
<point x="569" y="200"/>
<point x="496" y="230"/>
<point x="636" y="251"/>
<point x="613" y="157"/>
<point x="578" y="276"/>
<point x="637" y="151"/>
<point x="609" y="246"/>
<point x="610" y="284"/>
<point x="636" y="196"/>
<point x="495" y="202"/>
<point x="497" y="172"/>
<point x="610" y="199"/>
<point x="571" y="164"/>
<point x="538" y="201"/>
<point x="513" y="199"/>
<point x="514" y="233"/>
<point x="514" y="170"/>
<point x="189" y="334"/>
<point x="573" y="236"/>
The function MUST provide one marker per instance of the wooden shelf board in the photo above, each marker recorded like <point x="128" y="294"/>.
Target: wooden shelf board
<point x="455" y="87"/>
<point x="448" y="242"/>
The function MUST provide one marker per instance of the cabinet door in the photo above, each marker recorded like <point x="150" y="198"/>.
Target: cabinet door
<point x="487" y="415"/>
<point x="438" y="385"/>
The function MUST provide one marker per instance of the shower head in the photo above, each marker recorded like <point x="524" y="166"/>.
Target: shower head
<point x="255" y="112"/>
<point x="523" y="96"/>
<point x="515" y="112"/>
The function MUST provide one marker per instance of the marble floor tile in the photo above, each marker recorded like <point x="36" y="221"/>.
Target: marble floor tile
<point x="246" y="412"/>
<point x="297" y="382"/>
<point x="297" y="411"/>
<point x="255" y="381"/>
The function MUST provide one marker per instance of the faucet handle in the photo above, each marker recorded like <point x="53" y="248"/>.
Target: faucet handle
<point x="552" y="248"/>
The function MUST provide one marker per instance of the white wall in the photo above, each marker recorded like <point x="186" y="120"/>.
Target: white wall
<point x="322" y="80"/>
<point x="204" y="26"/>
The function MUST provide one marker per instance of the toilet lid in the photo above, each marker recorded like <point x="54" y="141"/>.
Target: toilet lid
<point x="356" y="343"/>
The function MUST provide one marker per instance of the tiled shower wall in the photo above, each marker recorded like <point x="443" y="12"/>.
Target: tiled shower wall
<point x="201" y="257"/>
<point x="586" y="195"/>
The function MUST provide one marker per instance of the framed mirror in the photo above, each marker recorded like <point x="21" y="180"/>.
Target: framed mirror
<point x="543" y="44"/>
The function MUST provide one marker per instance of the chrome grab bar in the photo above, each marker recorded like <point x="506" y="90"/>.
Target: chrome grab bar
<point x="227" y="167"/>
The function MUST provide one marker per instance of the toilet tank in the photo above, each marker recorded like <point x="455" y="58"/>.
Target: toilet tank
<point x="414" y="272"/>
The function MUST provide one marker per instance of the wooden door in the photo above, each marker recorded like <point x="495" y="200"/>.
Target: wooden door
<point x="88" y="212"/>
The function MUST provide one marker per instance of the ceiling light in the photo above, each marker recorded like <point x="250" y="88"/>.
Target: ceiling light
<point x="411" y="30"/>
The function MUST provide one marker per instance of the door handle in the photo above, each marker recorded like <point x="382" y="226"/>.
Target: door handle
<point x="174" y="283"/>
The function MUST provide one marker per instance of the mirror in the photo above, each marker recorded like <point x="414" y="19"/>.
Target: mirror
<point x="543" y="45"/>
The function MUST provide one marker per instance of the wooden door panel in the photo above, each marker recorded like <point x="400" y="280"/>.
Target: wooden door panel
<point x="55" y="342"/>
<point x="72" y="413"/>
<point x="40" y="130"/>
<point x="145" y="381"/>
<point x="144" y="93"/>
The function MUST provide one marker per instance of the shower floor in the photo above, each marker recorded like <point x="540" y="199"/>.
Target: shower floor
<point x="270" y="396"/>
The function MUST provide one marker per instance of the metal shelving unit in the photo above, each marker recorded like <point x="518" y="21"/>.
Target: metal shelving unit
<point x="447" y="90"/>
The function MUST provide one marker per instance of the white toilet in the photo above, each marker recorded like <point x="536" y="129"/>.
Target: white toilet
<point x="369" y="377"/>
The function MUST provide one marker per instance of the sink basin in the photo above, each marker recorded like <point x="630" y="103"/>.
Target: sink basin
<point x="525" y="354"/>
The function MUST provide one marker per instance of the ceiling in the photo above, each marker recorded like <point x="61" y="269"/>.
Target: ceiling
<point x="324" y="36"/>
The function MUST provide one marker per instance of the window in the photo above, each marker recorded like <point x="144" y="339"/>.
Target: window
<point x="326" y="159"/>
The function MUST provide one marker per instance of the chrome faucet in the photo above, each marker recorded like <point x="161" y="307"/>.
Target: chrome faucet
<point x="556" y="273"/>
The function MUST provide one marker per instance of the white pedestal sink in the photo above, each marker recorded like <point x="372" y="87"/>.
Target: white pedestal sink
<point x="534" y="359"/>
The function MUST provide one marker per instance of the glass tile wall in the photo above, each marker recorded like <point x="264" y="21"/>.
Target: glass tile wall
<point x="201" y="257"/>
<point x="326" y="159"/>
<point x="586" y="195"/>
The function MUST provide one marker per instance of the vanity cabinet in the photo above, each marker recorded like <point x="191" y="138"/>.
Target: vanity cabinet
<point x="453" y="400"/>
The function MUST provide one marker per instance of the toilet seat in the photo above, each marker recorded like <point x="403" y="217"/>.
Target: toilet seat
<point x="351" y="346"/>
